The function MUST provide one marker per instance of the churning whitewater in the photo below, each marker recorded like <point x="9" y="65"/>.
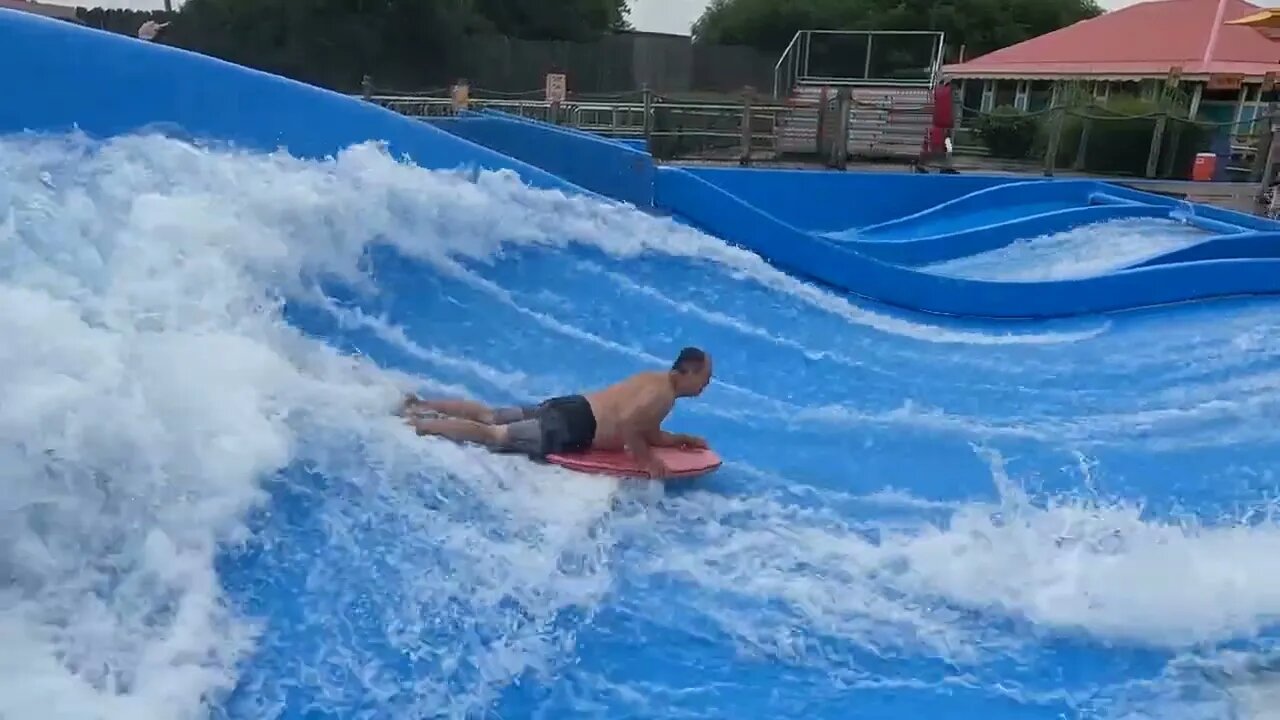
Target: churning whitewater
<point x="213" y="513"/>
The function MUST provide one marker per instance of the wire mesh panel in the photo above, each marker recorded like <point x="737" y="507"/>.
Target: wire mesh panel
<point x="875" y="56"/>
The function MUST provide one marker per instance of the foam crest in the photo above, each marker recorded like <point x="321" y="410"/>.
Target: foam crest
<point x="151" y="385"/>
<point x="789" y="581"/>
<point x="475" y="577"/>
<point x="713" y="317"/>
<point x="1085" y="251"/>
<point x="1100" y="568"/>
<point x="813" y="587"/>
<point x="160" y="415"/>
<point x="387" y="331"/>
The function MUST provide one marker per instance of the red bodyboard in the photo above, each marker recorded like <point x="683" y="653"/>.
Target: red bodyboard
<point x="682" y="462"/>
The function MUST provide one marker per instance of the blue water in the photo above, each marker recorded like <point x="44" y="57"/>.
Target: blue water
<point x="209" y="497"/>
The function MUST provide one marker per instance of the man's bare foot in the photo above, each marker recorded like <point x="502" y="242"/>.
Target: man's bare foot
<point x="413" y="406"/>
<point x="407" y="404"/>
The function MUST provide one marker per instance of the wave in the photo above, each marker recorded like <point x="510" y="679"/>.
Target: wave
<point x="214" y="512"/>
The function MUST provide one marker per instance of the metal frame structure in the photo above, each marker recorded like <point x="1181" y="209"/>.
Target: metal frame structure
<point x="795" y="58"/>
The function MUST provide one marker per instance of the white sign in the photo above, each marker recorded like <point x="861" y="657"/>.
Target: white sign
<point x="461" y="96"/>
<point x="555" y="87"/>
<point x="149" y="29"/>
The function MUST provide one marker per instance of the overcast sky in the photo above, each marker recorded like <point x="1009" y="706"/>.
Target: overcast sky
<point x="675" y="16"/>
<point x="671" y="16"/>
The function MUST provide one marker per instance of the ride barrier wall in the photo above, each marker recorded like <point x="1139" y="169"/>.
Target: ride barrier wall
<point x="598" y="164"/>
<point x="138" y="86"/>
<point x="718" y="212"/>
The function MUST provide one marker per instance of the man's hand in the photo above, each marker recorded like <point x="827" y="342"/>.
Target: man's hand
<point x="690" y="441"/>
<point x="657" y="469"/>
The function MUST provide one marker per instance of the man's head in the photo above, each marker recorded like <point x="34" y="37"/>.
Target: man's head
<point x="691" y="372"/>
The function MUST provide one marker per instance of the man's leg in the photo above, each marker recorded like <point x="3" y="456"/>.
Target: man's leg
<point x="462" y="430"/>
<point x="465" y="409"/>
<point x="522" y="436"/>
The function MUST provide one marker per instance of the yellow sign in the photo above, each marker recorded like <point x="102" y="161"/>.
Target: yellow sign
<point x="556" y="87"/>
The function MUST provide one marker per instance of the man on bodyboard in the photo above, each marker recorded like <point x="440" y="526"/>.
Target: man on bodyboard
<point x="627" y="414"/>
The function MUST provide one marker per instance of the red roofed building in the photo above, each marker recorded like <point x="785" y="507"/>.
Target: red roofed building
<point x="1135" y="48"/>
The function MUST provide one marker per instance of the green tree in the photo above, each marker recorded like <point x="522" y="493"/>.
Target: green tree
<point x="553" y="19"/>
<point x="402" y="43"/>
<point x="328" y="42"/>
<point x="980" y="25"/>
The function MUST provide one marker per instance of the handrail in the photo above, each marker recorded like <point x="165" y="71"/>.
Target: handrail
<point x="936" y="70"/>
<point x="778" y="65"/>
<point x="864" y="82"/>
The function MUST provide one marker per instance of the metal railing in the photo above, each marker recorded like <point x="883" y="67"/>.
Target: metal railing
<point x="795" y="66"/>
<point x="782" y="85"/>
<point x="695" y="127"/>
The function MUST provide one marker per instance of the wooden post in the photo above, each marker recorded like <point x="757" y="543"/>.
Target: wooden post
<point x="822" y="128"/>
<point x="840" y="143"/>
<point x="1269" y="171"/>
<point x="1055" y="138"/>
<point x="647" y="120"/>
<point x="1157" y="142"/>
<point x="1262" y="149"/>
<point x="460" y="96"/>
<point x="556" y="89"/>
<point x="744" y="156"/>
<point x="1083" y="148"/>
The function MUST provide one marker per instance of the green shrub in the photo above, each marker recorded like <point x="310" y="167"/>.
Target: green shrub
<point x="1008" y="132"/>
<point x="1120" y="137"/>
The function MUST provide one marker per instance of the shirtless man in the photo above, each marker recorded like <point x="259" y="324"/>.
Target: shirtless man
<point x="628" y="414"/>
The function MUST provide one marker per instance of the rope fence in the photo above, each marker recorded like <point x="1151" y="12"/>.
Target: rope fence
<point x="1156" y="143"/>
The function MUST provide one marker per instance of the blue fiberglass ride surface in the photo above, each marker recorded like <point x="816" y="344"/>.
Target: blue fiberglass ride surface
<point x="784" y="216"/>
<point x="918" y="220"/>
<point x="726" y="214"/>
<point x="610" y="168"/>
<point x="212" y="512"/>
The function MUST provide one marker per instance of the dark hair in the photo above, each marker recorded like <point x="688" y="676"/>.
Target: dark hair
<point x="690" y="358"/>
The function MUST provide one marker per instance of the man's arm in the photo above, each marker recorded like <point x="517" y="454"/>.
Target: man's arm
<point x="635" y="427"/>
<point x="636" y="433"/>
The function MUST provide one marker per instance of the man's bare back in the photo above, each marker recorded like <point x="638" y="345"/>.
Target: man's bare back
<point x="627" y="414"/>
<point x="644" y="400"/>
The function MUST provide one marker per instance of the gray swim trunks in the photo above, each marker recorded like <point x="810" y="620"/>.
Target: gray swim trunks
<point x="560" y="424"/>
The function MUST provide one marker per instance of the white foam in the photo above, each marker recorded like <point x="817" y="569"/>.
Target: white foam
<point x="150" y="385"/>
<point x="713" y="317"/>
<point x="791" y="583"/>
<point x="1102" y="568"/>
<point x="1080" y="252"/>
<point x="474" y="216"/>
<point x="514" y="382"/>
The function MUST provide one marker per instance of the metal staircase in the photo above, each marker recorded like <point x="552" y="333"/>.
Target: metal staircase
<point x="889" y="115"/>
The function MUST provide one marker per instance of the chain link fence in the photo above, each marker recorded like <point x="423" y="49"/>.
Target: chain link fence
<point x="872" y="56"/>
